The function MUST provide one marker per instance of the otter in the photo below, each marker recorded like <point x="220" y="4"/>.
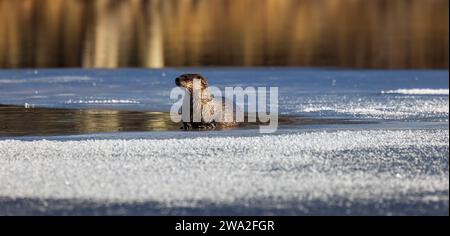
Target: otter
<point x="208" y="105"/>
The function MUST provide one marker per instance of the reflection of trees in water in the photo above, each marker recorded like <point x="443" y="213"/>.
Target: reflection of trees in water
<point x="104" y="120"/>
<point x="156" y="33"/>
<point x="43" y="121"/>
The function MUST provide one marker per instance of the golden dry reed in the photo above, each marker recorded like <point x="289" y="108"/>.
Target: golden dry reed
<point x="159" y="33"/>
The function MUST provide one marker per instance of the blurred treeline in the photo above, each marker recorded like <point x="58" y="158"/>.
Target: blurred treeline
<point x="158" y="33"/>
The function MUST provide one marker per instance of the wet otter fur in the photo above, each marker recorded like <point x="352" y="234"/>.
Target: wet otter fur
<point x="207" y="103"/>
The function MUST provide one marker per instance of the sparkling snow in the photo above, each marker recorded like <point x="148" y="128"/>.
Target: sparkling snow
<point x="322" y="172"/>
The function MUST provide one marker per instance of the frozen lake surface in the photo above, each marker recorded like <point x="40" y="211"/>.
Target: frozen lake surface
<point x="395" y="164"/>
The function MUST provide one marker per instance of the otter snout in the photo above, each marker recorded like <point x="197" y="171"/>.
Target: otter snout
<point x="178" y="81"/>
<point x="183" y="81"/>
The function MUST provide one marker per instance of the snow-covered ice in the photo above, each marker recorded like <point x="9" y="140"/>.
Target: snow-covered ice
<point x="419" y="91"/>
<point x="104" y="101"/>
<point x="385" y="107"/>
<point x="321" y="172"/>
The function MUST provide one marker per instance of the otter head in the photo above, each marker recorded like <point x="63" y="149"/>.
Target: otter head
<point x="187" y="81"/>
